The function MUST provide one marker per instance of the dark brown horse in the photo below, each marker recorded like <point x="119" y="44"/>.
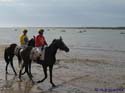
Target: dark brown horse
<point x="11" y="51"/>
<point x="49" y="58"/>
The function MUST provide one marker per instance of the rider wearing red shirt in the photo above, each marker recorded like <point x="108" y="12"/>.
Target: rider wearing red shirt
<point x="40" y="39"/>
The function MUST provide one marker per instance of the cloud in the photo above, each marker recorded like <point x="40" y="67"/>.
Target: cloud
<point x="62" y="12"/>
<point x="6" y="1"/>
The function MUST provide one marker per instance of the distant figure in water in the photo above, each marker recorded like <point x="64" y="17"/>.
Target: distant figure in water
<point x="24" y="39"/>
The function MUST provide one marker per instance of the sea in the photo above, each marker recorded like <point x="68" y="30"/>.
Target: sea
<point x="83" y="43"/>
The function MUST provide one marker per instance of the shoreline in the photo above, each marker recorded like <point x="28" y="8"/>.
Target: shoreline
<point x="73" y="27"/>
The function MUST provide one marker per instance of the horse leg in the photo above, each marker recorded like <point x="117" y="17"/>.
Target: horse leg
<point x="11" y="62"/>
<point x="30" y="68"/>
<point x="51" y="81"/>
<point x="28" y="73"/>
<point x="19" y="61"/>
<point x="45" y="73"/>
<point x="21" y="71"/>
<point x="7" y="63"/>
<point x="7" y="59"/>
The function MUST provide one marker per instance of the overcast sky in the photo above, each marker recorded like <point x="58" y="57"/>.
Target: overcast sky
<point x="62" y="13"/>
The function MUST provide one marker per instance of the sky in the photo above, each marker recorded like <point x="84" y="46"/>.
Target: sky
<point x="69" y="13"/>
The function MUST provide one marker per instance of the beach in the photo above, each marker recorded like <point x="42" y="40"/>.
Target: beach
<point x="71" y="75"/>
<point x="94" y="64"/>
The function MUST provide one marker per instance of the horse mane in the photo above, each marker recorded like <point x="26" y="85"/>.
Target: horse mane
<point x="53" y="42"/>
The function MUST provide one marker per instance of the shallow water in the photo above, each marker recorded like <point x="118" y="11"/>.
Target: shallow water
<point x="95" y="42"/>
<point x="92" y="39"/>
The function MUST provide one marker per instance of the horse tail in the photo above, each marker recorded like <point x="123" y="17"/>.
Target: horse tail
<point x="9" y="51"/>
<point x="6" y="55"/>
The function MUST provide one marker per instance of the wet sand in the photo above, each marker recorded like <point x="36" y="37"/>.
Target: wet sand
<point x="71" y="75"/>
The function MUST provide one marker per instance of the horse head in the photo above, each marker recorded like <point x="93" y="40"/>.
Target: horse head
<point x="60" y="44"/>
<point x="31" y="42"/>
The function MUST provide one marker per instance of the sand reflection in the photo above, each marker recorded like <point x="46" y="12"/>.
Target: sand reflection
<point x="12" y="84"/>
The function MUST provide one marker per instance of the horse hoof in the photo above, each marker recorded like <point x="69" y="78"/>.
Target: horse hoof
<point x="53" y="85"/>
<point x="39" y="81"/>
<point x="31" y="76"/>
<point x="20" y="80"/>
<point x="34" y="83"/>
<point x="7" y="73"/>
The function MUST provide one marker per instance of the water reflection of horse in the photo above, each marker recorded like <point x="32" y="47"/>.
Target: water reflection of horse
<point x="13" y="50"/>
<point x="49" y="59"/>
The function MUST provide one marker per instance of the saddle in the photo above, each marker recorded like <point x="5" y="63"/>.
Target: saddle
<point x="37" y="54"/>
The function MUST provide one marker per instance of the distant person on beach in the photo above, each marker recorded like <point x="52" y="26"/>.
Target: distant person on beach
<point x="24" y="39"/>
<point x="40" y="40"/>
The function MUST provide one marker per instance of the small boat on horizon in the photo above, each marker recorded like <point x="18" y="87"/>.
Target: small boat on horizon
<point x="122" y="32"/>
<point x="82" y="31"/>
<point x="15" y="29"/>
<point x="63" y="30"/>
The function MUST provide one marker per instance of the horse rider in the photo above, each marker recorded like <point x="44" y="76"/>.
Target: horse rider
<point x="40" y="40"/>
<point x="24" y="39"/>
